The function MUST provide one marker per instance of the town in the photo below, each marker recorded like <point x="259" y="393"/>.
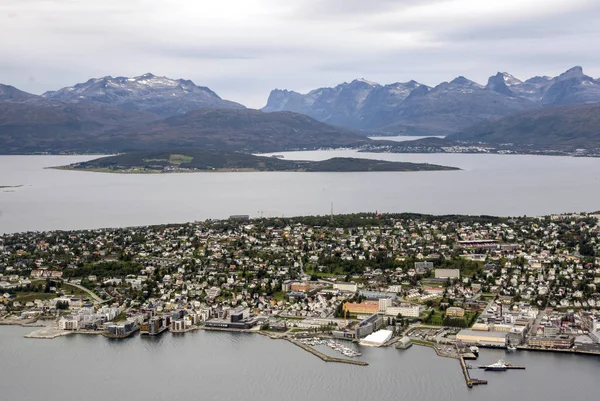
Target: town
<point x="454" y="283"/>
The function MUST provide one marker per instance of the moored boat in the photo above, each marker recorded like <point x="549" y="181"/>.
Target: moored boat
<point x="499" y="366"/>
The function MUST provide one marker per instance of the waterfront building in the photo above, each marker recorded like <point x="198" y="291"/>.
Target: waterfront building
<point x="378" y="338"/>
<point x="559" y="342"/>
<point x="368" y="326"/>
<point x="490" y="338"/>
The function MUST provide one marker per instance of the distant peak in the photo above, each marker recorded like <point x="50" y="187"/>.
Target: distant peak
<point x="362" y="80"/>
<point x="460" y="80"/>
<point x="575" y="72"/>
<point x="504" y="77"/>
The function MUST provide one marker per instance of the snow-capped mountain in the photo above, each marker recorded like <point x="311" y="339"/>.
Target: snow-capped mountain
<point x="150" y="93"/>
<point x="414" y="108"/>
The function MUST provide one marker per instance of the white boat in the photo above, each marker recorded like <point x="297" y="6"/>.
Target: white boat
<point x="499" y="366"/>
<point x="511" y="348"/>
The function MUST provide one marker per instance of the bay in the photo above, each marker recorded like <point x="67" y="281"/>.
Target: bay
<point x="231" y="366"/>
<point x="506" y="185"/>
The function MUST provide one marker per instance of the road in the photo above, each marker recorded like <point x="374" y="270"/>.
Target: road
<point x="90" y="293"/>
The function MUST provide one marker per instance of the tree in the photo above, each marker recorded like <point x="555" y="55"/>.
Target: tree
<point x="62" y="305"/>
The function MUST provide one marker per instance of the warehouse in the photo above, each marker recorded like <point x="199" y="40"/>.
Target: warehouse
<point x="490" y="338"/>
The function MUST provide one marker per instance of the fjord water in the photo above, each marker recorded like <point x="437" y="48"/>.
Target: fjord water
<point x="487" y="184"/>
<point x="228" y="366"/>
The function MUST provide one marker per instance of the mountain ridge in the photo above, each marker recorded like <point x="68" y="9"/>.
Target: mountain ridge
<point x="450" y="106"/>
<point x="150" y="93"/>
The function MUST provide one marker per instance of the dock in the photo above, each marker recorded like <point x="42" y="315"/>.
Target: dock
<point x="468" y="380"/>
<point x="327" y="358"/>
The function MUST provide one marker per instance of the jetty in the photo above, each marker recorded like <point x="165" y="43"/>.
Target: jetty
<point x="327" y="358"/>
<point x="465" y="369"/>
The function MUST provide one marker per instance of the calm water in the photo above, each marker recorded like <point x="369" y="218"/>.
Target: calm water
<point x="488" y="184"/>
<point x="224" y="366"/>
<point x="401" y="138"/>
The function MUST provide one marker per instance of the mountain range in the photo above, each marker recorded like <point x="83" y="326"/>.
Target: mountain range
<point x="150" y="112"/>
<point x="412" y="108"/>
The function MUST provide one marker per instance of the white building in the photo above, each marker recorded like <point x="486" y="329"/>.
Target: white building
<point x="384" y="303"/>
<point x="405" y="311"/>
<point x="348" y="287"/>
<point x="377" y="339"/>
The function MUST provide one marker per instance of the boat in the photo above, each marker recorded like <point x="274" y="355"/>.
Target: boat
<point x="474" y="350"/>
<point x="511" y="348"/>
<point x="499" y="366"/>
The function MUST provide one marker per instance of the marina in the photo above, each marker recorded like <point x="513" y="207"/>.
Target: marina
<point x="341" y="348"/>
<point x="327" y="358"/>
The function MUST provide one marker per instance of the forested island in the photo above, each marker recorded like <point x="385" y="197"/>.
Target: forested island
<point x="170" y="161"/>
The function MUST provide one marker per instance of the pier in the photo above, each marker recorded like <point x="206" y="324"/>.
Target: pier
<point x="465" y="369"/>
<point x="327" y="358"/>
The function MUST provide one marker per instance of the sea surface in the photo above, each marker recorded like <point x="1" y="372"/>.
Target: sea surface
<point x="506" y="185"/>
<point x="231" y="366"/>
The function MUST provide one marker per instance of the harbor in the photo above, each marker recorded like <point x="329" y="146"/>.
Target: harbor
<point x="344" y="350"/>
<point x="326" y="358"/>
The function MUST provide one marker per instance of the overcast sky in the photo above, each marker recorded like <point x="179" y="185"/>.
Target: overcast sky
<point x="244" y="48"/>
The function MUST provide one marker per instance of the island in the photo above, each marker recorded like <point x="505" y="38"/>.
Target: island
<point x="173" y="161"/>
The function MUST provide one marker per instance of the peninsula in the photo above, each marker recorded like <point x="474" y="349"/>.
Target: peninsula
<point x="525" y="283"/>
<point x="172" y="161"/>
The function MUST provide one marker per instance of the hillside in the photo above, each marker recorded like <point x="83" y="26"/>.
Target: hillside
<point x="247" y="130"/>
<point x="564" y="127"/>
<point x="186" y="160"/>
<point x="36" y="124"/>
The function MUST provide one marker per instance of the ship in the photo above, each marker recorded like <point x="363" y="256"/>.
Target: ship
<point x="511" y="347"/>
<point x="474" y="350"/>
<point x="499" y="366"/>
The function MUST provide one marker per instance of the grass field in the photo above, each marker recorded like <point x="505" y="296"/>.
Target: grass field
<point x="32" y="296"/>
<point x="179" y="159"/>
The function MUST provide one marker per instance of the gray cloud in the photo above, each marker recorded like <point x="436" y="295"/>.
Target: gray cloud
<point x="244" y="48"/>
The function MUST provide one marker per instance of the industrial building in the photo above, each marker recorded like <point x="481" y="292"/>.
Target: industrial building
<point x="489" y="338"/>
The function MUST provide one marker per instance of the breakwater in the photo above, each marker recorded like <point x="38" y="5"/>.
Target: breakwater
<point x="327" y="358"/>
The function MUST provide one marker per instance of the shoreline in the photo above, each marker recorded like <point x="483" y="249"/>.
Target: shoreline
<point x="237" y="170"/>
<point x="49" y="332"/>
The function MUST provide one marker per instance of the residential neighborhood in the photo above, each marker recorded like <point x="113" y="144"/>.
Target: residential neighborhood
<point x="532" y="279"/>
